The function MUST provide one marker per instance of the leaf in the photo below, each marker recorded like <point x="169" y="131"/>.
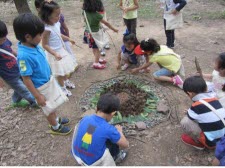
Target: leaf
<point x="119" y="116"/>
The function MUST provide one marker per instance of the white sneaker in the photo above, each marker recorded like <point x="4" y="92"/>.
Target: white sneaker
<point x="124" y="67"/>
<point x="102" y="53"/>
<point x="67" y="92"/>
<point x="107" y="47"/>
<point x="69" y="84"/>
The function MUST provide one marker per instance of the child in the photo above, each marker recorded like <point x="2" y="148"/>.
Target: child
<point x="220" y="153"/>
<point x="63" y="29"/>
<point x="9" y="70"/>
<point x="36" y="72"/>
<point x="59" y="59"/>
<point x="129" y="8"/>
<point x="169" y="62"/>
<point x="95" y="141"/>
<point x="127" y="55"/>
<point x="201" y="123"/>
<point x="173" y="7"/>
<point x="92" y="8"/>
<point x="218" y="78"/>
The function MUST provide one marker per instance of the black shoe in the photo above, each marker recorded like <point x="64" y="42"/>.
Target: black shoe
<point x="120" y="157"/>
<point x="62" y="130"/>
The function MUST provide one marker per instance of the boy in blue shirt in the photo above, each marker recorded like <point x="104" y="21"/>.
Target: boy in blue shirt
<point x="36" y="72"/>
<point x="9" y="70"/>
<point x="95" y="141"/>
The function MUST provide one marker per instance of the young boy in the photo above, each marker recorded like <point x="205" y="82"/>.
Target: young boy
<point x="9" y="70"/>
<point x="36" y="72"/>
<point x="220" y="153"/>
<point x="129" y="8"/>
<point x="203" y="127"/>
<point x="95" y="142"/>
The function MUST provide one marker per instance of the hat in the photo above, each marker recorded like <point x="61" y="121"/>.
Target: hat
<point x="139" y="51"/>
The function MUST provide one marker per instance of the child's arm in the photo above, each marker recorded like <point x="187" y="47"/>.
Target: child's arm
<point x="146" y="65"/>
<point x="65" y="28"/>
<point x="207" y="76"/>
<point x="136" y="6"/>
<point x="109" y="25"/>
<point x="182" y="3"/>
<point x="67" y="38"/>
<point x="121" y="5"/>
<point x="118" y="60"/>
<point x="14" y="53"/>
<point x="39" y="97"/>
<point x="123" y="142"/>
<point x="45" y="40"/>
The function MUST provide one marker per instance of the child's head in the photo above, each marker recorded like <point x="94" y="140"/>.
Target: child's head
<point x="108" y="104"/>
<point x="93" y="6"/>
<point x="150" y="46"/>
<point x="37" y="4"/>
<point x="220" y="64"/>
<point x="28" y="28"/>
<point x="3" y="32"/>
<point x="194" y="85"/>
<point x="130" y="41"/>
<point x="50" y="12"/>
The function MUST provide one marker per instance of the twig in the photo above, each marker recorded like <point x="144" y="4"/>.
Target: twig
<point x="129" y="136"/>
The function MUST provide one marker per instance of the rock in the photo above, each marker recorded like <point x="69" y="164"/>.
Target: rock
<point x="162" y="107"/>
<point x="141" y="25"/>
<point x="132" y="133"/>
<point x="140" y="125"/>
<point x="210" y="159"/>
<point x="88" y="112"/>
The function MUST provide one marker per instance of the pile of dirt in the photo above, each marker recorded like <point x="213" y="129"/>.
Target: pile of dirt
<point x="132" y="98"/>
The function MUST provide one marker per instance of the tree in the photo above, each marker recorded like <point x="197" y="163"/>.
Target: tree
<point x="22" y="6"/>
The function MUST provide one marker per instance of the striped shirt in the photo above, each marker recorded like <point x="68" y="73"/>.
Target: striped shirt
<point x="211" y="125"/>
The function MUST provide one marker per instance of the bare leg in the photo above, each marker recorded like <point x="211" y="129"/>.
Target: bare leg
<point x="97" y="54"/>
<point x="164" y="78"/>
<point x="52" y="119"/>
<point x="61" y="80"/>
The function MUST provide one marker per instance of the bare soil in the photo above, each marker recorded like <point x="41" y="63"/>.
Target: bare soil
<point x="24" y="138"/>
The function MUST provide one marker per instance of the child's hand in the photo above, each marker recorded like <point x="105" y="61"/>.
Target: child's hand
<point x="116" y="30"/>
<point x="41" y="100"/>
<point x="174" y="12"/>
<point x="125" y="10"/>
<point x="135" y="70"/>
<point x="185" y="111"/>
<point x="1" y="83"/>
<point x="119" y="128"/>
<point x="72" y="41"/>
<point x="58" y="57"/>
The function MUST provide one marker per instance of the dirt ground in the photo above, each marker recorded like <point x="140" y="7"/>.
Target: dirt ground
<point x="24" y="138"/>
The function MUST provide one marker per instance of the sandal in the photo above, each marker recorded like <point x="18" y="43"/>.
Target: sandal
<point x="69" y="84"/>
<point x="124" y="67"/>
<point x="99" y="66"/>
<point x="102" y="61"/>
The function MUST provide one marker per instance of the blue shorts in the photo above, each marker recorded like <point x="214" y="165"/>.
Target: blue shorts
<point x="163" y="72"/>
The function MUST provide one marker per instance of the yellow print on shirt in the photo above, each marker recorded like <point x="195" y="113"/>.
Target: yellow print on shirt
<point x="22" y="65"/>
<point x="87" y="138"/>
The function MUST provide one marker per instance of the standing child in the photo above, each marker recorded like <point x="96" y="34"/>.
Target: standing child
<point x="91" y="9"/>
<point x="9" y="70"/>
<point x="169" y="62"/>
<point x="171" y="7"/>
<point x="59" y="59"/>
<point x="36" y="72"/>
<point x="218" y="78"/>
<point x="129" y="8"/>
<point x="202" y="123"/>
<point x="127" y="56"/>
<point x="95" y="141"/>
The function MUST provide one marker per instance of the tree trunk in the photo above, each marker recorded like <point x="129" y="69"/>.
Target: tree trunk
<point x="22" y="6"/>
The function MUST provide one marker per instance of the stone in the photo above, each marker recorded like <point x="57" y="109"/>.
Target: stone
<point x="140" y="125"/>
<point x="131" y="133"/>
<point x="162" y="107"/>
<point x="88" y="112"/>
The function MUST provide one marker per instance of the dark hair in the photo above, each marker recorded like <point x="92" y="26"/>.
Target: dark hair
<point x="47" y="8"/>
<point x="93" y="6"/>
<point x="150" y="45"/>
<point x="3" y="29"/>
<point x="130" y="39"/>
<point x="38" y="3"/>
<point x="27" y="23"/>
<point x="194" y="84"/>
<point x="221" y="64"/>
<point x="108" y="103"/>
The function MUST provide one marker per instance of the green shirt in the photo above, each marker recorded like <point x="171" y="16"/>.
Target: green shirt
<point x="94" y="19"/>
<point x="167" y="59"/>
<point x="130" y="14"/>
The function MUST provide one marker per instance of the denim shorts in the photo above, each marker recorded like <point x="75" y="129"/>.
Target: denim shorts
<point x="163" y="72"/>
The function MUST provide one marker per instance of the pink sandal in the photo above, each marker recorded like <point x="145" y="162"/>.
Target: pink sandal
<point x="102" y="61"/>
<point x="99" y="66"/>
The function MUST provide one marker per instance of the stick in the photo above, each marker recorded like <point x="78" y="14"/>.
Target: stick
<point x="198" y="68"/>
<point x="78" y="46"/>
<point x="128" y="136"/>
<point x="112" y="41"/>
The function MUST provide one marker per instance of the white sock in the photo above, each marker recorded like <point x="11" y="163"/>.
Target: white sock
<point x="57" y="119"/>
<point x="56" y="126"/>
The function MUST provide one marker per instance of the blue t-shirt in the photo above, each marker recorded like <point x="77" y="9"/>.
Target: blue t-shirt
<point x="131" y="54"/>
<point x="32" y="62"/>
<point x="8" y="66"/>
<point x="92" y="134"/>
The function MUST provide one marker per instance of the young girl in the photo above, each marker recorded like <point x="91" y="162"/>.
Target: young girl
<point x="218" y="78"/>
<point x="59" y="59"/>
<point x="91" y="8"/>
<point x="169" y="62"/>
<point x="127" y="56"/>
<point x="129" y="8"/>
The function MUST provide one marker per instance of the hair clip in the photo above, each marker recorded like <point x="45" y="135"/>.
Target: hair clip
<point x="147" y="39"/>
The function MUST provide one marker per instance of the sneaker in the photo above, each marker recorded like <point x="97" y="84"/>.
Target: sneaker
<point x="102" y="61"/>
<point x="69" y="84"/>
<point x="102" y="53"/>
<point x="178" y="81"/>
<point x="22" y="103"/>
<point x="63" y="130"/>
<point x="67" y="92"/>
<point x="107" y="47"/>
<point x="189" y="141"/>
<point x="64" y="121"/>
<point x="120" y="157"/>
<point x="124" y="67"/>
